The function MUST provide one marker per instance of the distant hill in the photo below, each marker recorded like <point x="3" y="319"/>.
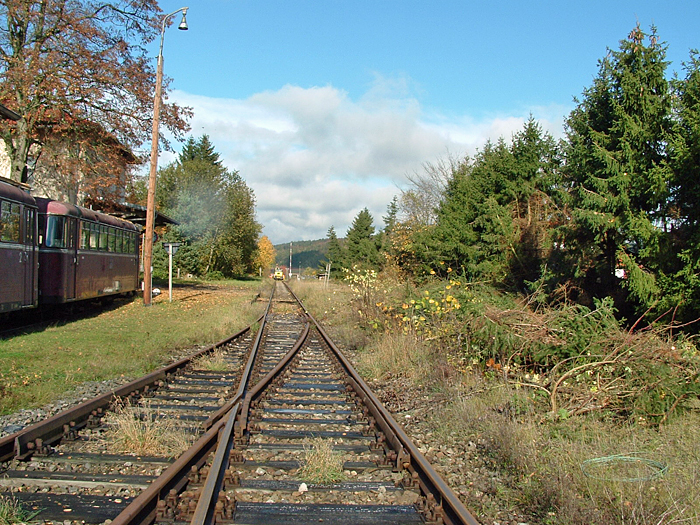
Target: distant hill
<point x="305" y="254"/>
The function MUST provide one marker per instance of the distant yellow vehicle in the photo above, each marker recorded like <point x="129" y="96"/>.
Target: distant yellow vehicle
<point x="278" y="275"/>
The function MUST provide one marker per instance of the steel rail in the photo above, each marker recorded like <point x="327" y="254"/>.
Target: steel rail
<point x="31" y="439"/>
<point x="144" y="508"/>
<point x="408" y="456"/>
<point x="245" y="377"/>
<point x="209" y="506"/>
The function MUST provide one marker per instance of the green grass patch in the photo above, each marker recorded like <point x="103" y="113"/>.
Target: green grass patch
<point x="128" y="341"/>
<point x="12" y="511"/>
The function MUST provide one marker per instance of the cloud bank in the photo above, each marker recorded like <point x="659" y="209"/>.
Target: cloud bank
<point x="315" y="158"/>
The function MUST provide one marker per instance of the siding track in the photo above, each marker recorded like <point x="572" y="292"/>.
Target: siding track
<point x="288" y="394"/>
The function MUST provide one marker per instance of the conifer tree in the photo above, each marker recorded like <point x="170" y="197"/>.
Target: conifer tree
<point x="360" y="244"/>
<point x="201" y="149"/>
<point x="616" y="168"/>
<point x="336" y="255"/>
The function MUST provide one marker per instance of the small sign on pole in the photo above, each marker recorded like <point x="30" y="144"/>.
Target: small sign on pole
<point x="172" y="248"/>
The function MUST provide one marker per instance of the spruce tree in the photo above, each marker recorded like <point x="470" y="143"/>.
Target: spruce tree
<point x="336" y="254"/>
<point x="360" y="244"/>
<point x="616" y="168"/>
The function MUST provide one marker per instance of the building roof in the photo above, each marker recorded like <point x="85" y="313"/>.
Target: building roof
<point x="137" y="214"/>
<point x="8" y="113"/>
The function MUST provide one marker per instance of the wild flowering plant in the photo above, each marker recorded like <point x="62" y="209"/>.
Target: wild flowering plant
<point x="427" y="314"/>
<point x="363" y="283"/>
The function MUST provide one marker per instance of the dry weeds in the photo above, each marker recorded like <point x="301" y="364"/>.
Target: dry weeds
<point x="214" y="361"/>
<point x="139" y="430"/>
<point x="321" y="465"/>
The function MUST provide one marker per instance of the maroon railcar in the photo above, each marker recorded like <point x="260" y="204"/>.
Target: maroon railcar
<point x="18" y="249"/>
<point x="84" y="254"/>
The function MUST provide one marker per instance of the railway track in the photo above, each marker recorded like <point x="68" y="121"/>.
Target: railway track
<point x="287" y="433"/>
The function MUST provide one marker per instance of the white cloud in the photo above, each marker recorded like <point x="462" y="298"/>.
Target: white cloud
<point x="315" y="158"/>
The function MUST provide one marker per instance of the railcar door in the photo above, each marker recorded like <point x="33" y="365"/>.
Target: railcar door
<point x="11" y="257"/>
<point x="31" y="268"/>
<point x="71" y="259"/>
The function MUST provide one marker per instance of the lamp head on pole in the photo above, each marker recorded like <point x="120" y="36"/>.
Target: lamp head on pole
<point x="183" y="22"/>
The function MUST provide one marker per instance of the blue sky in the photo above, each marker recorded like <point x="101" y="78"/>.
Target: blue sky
<point x="326" y="106"/>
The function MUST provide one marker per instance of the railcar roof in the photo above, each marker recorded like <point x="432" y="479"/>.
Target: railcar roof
<point x="52" y="207"/>
<point x="13" y="193"/>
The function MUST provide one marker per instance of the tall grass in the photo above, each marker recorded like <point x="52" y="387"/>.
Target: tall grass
<point x="138" y="430"/>
<point x="533" y="454"/>
<point x="320" y="464"/>
<point x="13" y="512"/>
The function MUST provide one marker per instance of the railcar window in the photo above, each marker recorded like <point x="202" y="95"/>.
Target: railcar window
<point x="84" y="235"/>
<point x="112" y="245"/>
<point x="29" y="222"/>
<point x="120" y="242"/>
<point x="94" y="236"/>
<point x="9" y="222"/>
<point x="71" y="232"/>
<point x="56" y="230"/>
<point x="103" y="238"/>
<point x="129" y="242"/>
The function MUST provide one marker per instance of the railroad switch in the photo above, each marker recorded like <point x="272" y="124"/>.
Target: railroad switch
<point x="195" y="475"/>
<point x="165" y="508"/>
<point x="235" y="456"/>
<point x="38" y="448"/>
<point x="370" y="428"/>
<point x="231" y="478"/>
<point x="187" y="505"/>
<point x="410" y="480"/>
<point x="224" y="509"/>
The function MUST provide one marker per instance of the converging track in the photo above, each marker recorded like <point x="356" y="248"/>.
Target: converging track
<point x="288" y="392"/>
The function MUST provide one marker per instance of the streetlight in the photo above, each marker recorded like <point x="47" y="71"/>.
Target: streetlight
<point x="151" y="204"/>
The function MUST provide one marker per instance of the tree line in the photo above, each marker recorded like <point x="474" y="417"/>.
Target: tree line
<point x="610" y="210"/>
<point x="215" y="212"/>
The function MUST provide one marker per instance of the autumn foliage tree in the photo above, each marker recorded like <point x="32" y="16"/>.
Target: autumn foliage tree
<point x="78" y="72"/>
<point x="265" y="254"/>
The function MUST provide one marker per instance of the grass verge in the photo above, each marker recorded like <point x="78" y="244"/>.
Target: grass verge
<point x="517" y="455"/>
<point x="129" y="341"/>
